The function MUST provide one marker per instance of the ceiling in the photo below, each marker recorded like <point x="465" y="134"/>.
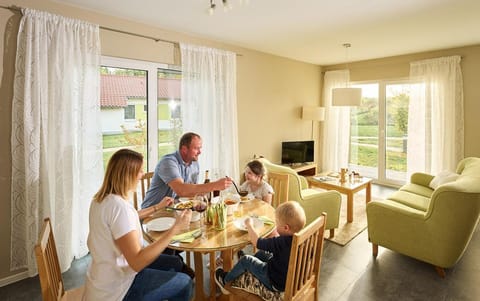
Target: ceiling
<point x="312" y="31"/>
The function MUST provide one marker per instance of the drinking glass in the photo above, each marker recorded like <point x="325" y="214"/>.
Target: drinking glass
<point x="200" y="205"/>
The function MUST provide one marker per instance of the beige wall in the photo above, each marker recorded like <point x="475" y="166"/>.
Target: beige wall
<point x="270" y="90"/>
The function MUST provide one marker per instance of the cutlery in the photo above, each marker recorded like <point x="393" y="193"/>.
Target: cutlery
<point x="180" y="209"/>
<point x="240" y="192"/>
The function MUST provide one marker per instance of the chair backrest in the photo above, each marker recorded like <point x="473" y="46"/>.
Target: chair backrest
<point x="279" y="183"/>
<point x="144" y="184"/>
<point x="303" y="269"/>
<point x="51" y="281"/>
<point x="304" y="263"/>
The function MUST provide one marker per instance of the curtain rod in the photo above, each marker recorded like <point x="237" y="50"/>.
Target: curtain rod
<point x="19" y="9"/>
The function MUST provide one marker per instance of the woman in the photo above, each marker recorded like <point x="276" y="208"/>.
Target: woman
<point x="121" y="269"/>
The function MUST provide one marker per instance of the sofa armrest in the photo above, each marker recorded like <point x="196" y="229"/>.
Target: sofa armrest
<point x="303" y="182"/>
<point x="421" y="178"/>
<point x="315" y="202"/>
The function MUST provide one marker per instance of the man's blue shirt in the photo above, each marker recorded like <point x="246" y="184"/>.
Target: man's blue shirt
<point x="170" y="167"/>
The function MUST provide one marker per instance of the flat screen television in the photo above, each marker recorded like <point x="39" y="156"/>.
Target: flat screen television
<point x="295" y="152"/>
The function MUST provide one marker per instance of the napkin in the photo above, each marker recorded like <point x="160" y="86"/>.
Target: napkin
<point x="187" y="236"/>
<point x="266" y="220"/>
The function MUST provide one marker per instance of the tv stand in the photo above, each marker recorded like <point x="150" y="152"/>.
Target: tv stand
<point x="304" y="169"/>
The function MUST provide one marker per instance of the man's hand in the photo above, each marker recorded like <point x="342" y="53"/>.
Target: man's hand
<point x="223" y="183"/>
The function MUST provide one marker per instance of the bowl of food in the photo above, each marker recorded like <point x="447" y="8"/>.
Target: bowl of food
<point x="232" y="205"/>
<point x="187" y="204"/>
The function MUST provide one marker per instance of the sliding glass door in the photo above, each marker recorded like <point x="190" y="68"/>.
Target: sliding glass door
<point x="379" y="128"/>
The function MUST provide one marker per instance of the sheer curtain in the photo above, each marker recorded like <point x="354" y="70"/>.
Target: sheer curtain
<point x="435" y="116"/>
<point x="209" y="106"/>
<point x="56" y="138"/>
<point x="336" y="127"/>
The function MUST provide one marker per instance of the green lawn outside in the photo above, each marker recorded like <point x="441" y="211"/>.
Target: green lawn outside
<point x="111" y="143"/>
<point x="364" y="155"/>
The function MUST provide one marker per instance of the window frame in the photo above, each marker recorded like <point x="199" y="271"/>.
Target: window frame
<point x="152" y="125"/>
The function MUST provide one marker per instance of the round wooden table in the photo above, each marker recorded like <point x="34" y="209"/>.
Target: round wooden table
<point x="212" y="240"/>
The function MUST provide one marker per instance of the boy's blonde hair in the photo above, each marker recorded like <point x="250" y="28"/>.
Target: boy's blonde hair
<point x="292" y="214"/>
<point x="121" y="174"/>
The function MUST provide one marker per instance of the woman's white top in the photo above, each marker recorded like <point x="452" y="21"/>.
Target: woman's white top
<point x="109" y="276"/>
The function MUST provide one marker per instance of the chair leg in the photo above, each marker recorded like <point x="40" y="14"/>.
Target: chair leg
<point x="374" y="250"/>
<point x="440" y="271"/>
<point x="332" y="233"/>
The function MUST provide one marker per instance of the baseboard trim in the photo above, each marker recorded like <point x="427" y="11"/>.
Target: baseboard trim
<point x="13" y="278"/>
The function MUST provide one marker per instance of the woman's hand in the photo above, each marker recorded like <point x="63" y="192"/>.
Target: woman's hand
<point x="183" y="220"/>
<point x="167" y="201"/>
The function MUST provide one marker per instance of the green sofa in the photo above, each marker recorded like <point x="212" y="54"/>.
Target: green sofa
<point x="314" y="202"/>
<point x="431" y="225"/>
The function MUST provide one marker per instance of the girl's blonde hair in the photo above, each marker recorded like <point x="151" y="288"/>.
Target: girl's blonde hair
<point x="121" y="175"/>
<point x="291" y="213"/>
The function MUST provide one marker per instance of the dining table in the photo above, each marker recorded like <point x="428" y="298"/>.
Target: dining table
<point x="211" y="241"/>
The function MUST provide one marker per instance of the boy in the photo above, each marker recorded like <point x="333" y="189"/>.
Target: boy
<point x="270" y="264"/>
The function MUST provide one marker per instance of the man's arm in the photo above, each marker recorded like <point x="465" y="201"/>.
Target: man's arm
<point x="189" y="190"/>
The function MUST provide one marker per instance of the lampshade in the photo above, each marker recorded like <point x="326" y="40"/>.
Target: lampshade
<point x="346" y="96"/>
<point x="313" y="113"/>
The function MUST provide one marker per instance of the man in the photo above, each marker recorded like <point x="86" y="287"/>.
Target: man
<point x="177" y="173"/>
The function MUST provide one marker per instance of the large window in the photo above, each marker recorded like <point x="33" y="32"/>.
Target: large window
<point x="379" y="131"/>
<point x="140" y="108"/>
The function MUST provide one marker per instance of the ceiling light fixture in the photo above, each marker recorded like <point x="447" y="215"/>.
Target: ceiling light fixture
<point x="346" y="96"/>
<point x="226" y="5"/>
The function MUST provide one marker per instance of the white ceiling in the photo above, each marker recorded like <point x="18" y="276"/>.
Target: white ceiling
<point x="312" y="30"/>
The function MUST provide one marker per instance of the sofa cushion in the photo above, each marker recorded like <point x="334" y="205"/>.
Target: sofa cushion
<point x="417" y="189"/>
<point x="410" y="199"/>
<point x="443" y="177"/>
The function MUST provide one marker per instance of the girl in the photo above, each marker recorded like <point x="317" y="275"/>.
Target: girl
<point x="121" y="269"/>
<point x="254" y="183"/>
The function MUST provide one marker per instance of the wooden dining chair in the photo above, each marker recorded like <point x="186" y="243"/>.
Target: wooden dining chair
<point x="303" y="269"/>
<point x="144" y="184"/>
<point x="51" y="281"/>
<point x="279" y="183"/>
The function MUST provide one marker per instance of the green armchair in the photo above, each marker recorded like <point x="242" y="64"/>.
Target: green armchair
<point x="314" y="202"/>
<point x="431" y="225"/>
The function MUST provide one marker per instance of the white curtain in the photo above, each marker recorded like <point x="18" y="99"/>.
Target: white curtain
<point x="336" y="126"/>
<point x="56" y="138"/>
<point x="209" y="106"/>
<point x="435" y="116"/>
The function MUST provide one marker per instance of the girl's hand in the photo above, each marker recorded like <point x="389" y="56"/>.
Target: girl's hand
<point x="167" y="201"/>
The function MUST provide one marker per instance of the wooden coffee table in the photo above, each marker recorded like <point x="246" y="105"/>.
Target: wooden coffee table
<point x="348" y="188"/>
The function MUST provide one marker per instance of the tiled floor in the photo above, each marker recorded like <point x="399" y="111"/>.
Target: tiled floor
<point x="347" y="273"/>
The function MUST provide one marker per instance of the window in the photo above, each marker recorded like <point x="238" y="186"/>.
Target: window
<point x="140" y="108"/>
<point x="379" y="131"/>
<point x="129" y="112"/>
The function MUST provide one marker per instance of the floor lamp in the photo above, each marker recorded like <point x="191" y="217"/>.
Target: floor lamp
<point x="313" y="114"/>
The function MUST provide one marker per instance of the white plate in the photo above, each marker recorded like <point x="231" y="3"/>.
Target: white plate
<point x="239" y="223"/>
<point x="160" y="224"/>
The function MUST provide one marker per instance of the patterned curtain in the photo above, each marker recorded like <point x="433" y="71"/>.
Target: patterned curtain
<point x="209" y="106"/>
<point x="56" y="138"/>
